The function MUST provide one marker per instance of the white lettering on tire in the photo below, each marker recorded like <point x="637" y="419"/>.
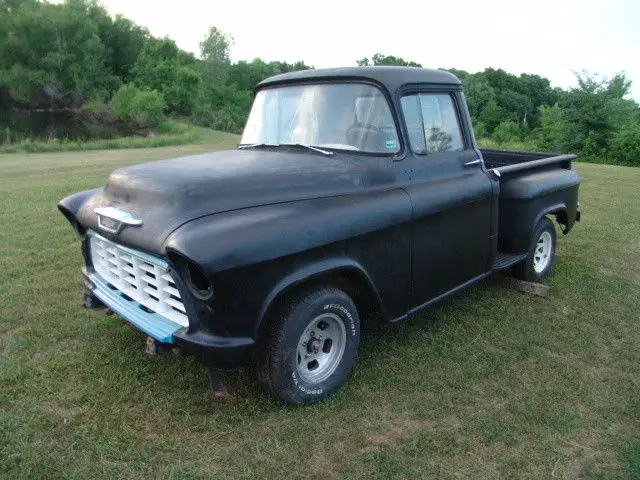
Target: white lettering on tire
<point x="346" y="312"/>
<point x="302" y="388"/>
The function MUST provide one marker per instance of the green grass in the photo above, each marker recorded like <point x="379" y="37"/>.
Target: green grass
<point x="491" y="383"/>
<point x="169" y="133"/>
<point x="514" y="145"/>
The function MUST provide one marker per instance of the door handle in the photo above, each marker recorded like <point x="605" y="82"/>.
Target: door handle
<point x="473" y="163"/>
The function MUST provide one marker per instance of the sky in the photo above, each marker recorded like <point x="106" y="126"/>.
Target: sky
<point x="551" y="38"/>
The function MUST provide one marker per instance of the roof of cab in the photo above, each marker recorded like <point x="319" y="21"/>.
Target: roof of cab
<point x="391" y="77"/>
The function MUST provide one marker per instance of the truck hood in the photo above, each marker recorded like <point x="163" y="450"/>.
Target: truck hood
<point x="168" y="193"/>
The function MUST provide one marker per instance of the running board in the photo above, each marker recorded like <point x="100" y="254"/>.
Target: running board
<point x="505" y="260"/>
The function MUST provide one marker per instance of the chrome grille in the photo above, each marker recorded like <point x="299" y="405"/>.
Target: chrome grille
<point x="139" y="276"/>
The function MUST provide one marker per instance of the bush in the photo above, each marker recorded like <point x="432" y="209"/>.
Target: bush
<point x="507" y="131"/>
<point x="97" y="112"/>
<point x="181" y="95"/>
<point x="220" y="119"/>
<point x="479" y="128"/>
<point x="553" y="131"/>
<point x="141" y="106"/>
<point x="625" y="145"/>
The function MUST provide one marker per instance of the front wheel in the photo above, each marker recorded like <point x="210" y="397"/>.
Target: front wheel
<point x="541" y="255"/>
<point x="311" y="346"/>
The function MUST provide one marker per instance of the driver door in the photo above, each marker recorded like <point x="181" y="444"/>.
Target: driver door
<point x="450" y="195"/>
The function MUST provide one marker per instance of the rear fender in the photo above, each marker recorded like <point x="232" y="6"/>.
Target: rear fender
<point x="559" y="210"/>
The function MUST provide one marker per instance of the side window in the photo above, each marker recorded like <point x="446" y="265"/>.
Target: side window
<point x="432" y="123"/>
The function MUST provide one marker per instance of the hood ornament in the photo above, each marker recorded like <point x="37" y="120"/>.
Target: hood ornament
<point x="113" y="220"/>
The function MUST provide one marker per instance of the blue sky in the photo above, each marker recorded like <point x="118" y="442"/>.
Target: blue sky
<point x="549" y="38"/>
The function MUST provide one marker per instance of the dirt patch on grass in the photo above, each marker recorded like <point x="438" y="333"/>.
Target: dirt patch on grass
<point x="63" y="413"/>
<point x="586" y="456"/>
<point x="397" y="429"/>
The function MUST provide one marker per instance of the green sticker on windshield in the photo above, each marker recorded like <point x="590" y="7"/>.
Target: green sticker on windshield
<point x="390" y="144"/>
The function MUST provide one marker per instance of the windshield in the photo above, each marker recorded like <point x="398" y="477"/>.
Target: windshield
<point x="347" y="116"/>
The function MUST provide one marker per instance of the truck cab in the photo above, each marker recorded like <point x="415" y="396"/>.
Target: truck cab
<point x="353" y="191"/>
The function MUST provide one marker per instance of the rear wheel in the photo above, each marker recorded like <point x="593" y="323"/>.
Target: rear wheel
<point x="311" y="346"/>
<point x="541" y="255"/>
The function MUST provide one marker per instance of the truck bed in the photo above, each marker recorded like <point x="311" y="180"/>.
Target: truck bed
<point x="532" y="184"/>
<point x="511" y="161"/>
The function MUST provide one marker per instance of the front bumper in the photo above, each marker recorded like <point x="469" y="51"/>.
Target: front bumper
<point x="211" y="350"/>
<point x="225" y="353"/>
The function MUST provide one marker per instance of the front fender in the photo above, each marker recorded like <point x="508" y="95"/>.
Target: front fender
<point x="253" y="255"/>
<point x="313" y="271"/>
<point x="239" y="238"/>
<point x="70" y="206"/>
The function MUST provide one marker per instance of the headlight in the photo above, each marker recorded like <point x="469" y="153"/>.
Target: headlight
<point x="197" y="282"/>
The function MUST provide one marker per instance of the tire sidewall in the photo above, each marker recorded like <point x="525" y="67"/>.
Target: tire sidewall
<point x="287" y="381"/>
<point x="545" y="225"/>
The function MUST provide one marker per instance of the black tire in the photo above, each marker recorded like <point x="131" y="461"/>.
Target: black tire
<point x="528" y="269"/>
<point x="280" y="367"/>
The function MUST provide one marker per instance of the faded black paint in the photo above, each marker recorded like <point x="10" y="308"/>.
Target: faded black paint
<point x="408" y="229"/>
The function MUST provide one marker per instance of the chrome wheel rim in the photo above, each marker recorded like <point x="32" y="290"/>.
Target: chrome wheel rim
<point x="542" y="253"/>
<point x="321" y="347"/>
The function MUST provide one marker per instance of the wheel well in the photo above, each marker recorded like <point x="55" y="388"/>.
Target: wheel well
<point x="558" y="211"/>
<point x="351" y="281"/>
<point x="561" y="215"/>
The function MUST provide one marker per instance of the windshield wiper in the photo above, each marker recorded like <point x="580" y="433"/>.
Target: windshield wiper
<point x="310" y="147"/>
<point x="244" y="146"/>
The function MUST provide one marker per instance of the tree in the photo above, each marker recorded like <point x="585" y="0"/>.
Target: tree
<point x="380" y="59"/>
<point x="593" y="119"/>
<point x="163" y="67"/>
<point x="479" y="94"/>
<point x="143" y="107"/>
<point x="125" y="40"/>
<point x="58" y="45"/>
<point x="461" y="74"/>
<point x="625" y="145"/>
<point x="246" y="75"/>
<point x="214" y="51"/>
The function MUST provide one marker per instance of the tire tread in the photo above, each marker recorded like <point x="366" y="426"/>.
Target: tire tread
<point x="267" y="366"/>
<point x="524" y="270"/>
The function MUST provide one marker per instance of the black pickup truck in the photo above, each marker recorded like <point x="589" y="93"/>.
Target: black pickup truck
<point x="353" y="192"/>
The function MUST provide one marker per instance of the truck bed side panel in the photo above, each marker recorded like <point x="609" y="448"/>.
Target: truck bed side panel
<point x="526" y="198"/>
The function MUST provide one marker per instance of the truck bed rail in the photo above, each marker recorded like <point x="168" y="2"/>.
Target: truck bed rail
<point x="563" y="161"/>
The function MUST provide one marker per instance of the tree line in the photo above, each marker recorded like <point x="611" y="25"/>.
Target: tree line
<point x="75" y="55"/>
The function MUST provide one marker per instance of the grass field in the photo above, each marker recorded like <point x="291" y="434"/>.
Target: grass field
<point x="489" y="384"/>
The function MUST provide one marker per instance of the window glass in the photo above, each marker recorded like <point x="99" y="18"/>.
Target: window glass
<point x="432" y="123"/>
<point x="347" y="116"/>
<point x="413" y="119"/>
